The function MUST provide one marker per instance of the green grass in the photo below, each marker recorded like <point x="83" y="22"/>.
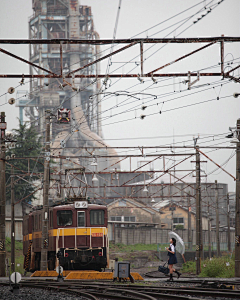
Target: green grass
<point x="131" y="248"/>
<point x="162" y="247"/>
<point x="19" y="257"/>
<point x="18" y="245"/>
<point x="189" y="267"/>
<point x="217" y="267"/>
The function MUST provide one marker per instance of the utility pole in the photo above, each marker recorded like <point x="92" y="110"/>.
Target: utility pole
<point x="3" y="127"/>
<point x="172" y="208"/>
<point x="12" y="222"/>
<point x="189" y="225"/>
<point x="228" y="223"/>
<point x="61" y="186"/>
<point x="198" y="214"/>
<point x="217" y="218"/>
<point x="46" y="179"/>
<point x="209" y="231"/>
<point x="237" y="215"/>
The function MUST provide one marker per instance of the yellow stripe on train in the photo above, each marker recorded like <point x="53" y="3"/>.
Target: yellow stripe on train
<point x="93" y="231"/>
<point x="27" y="237"/>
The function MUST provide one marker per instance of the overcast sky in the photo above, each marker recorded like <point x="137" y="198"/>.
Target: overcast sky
<point x="136" y="16"/>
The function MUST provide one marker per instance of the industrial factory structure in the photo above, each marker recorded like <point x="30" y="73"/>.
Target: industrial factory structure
<point x="66" y="19"/>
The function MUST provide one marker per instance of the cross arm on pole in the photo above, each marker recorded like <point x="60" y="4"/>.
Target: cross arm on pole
<point x="26" y="61"/>
<point x="182" y="57"/>
<point x="102" y="58"/>
<point x="122" y="41"/>
<point x="215" y="163"/>
<point x="109" y="75"/>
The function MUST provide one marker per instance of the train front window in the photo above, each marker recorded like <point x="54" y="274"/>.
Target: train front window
<point x="81" y="218"/>
<point x="97" y="217"/>
<point x="64" y="217"/>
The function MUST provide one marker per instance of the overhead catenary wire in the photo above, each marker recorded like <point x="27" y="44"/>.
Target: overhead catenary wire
<point x="108" y="109"/>
<point x="135" y="57"/>
<point x="119" y="6"/>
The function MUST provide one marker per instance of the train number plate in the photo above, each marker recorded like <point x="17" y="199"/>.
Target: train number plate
<point x="97" y="234"/>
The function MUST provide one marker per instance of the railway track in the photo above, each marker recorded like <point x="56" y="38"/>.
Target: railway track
<point x="101" y="291"/>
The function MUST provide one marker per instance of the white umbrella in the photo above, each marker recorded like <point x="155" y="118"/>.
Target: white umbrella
<point x="180" y="247"/>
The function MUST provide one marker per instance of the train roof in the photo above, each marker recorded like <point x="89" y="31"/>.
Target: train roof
<point x="71" y="206"/>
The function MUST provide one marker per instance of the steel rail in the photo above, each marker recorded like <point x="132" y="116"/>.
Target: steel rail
<point x="138" y="292"/>
<point x="195" y="292"/>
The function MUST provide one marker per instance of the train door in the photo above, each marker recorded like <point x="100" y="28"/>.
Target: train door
<point x="81" y="230"/>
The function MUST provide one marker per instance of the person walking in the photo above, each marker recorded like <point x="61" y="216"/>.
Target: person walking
<point x="172" y="258"/>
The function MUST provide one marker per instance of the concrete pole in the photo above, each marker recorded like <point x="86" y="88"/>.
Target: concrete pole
<point x="209" y="231"/>
<point x="198" y="214"/>
<point x="228" y="223"/>
<point x="189" y="225"/>
<point x="237" y="215"/>
<point x="217" y="219"/>
<point x="61" y="182"/>
<point x="46" y="179"/>
<point x="2" y="195"/>
<point x="12" y="222"/>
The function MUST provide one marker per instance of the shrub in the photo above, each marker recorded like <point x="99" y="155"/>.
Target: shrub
<point x="179" y="227"/>
<point x="217" y="267"/>
<point x="189" y="267"/>
<point x="18" y="245"/>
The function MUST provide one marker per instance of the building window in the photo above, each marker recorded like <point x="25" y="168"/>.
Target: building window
<point x="178" y="221"/>
<point x="64" y="217"/>
<point x="129" y="219"/>
<point x="123" y="219"/>
<point x="115" y="218"/>
<point x="97" y="217"/>
<point x="81" y="218"/>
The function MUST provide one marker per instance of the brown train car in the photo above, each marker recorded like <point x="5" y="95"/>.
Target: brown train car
<point x="77" y="236"/>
